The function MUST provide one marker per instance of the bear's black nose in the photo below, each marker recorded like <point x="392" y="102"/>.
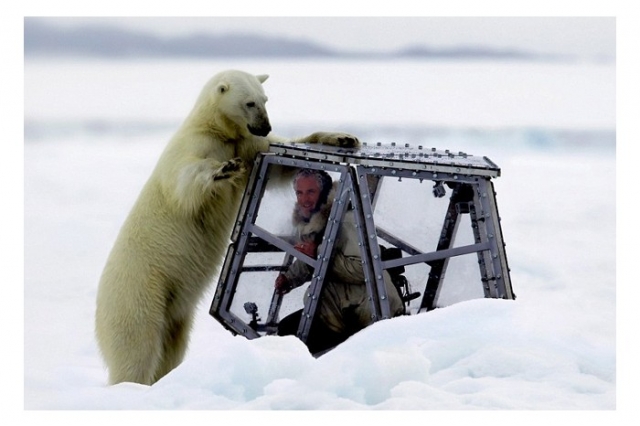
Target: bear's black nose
<point x="262" y="130"/>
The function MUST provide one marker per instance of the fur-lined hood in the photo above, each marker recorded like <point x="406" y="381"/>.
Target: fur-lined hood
<point x="313" y="229"/>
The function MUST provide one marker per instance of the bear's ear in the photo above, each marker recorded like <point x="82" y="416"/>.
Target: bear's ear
<point x="262" y="77"/>
<point x="222" y="87"/>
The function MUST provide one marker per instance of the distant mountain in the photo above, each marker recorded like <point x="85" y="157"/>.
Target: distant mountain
<point x="468" y="52"/>
<point x="43" y="39"/>
<point x="102" y="41"/>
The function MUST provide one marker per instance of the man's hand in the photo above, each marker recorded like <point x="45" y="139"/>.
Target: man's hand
<point x="309" y="248"/>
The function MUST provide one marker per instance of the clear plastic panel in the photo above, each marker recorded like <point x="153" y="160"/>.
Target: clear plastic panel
<point x="409" y="211"/>
<point x="276" y="205"/>
<point x="462" y="280"/>
<point x="255" y="290"/>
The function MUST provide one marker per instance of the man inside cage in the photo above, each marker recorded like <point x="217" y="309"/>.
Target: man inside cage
<point x="344" y="307"/>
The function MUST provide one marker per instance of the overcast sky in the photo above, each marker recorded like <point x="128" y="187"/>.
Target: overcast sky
<point x="585" y="36"/>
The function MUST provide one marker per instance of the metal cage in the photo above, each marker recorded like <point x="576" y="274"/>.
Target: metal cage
<point x="360" y="173"/>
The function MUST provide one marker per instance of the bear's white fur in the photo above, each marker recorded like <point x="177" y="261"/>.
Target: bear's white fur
<point x="176" y="235"/>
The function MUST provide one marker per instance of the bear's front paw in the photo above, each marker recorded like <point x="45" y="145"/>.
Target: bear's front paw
<point x="343" y="140"/>
<point x="347" y="141"/>
<point x="229" y="169"/>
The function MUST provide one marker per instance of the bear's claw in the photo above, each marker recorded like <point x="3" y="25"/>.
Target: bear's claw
<point x="229" y="169"/>
<point x="348" y="141"/>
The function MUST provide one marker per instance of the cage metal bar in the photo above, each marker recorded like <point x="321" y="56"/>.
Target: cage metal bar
<point x="476" y="227"/>
<point x="498" y="256"/>
<point x="439" y="267"/>
<point x="237" y="250"/>
<point x="437" y="255"/>
<point x="276" y="298"/>
<point x="409" y="158"/>
<point x="361" y="191"/>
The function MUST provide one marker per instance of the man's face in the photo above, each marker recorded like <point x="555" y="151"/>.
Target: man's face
<point x="307" y="194"/>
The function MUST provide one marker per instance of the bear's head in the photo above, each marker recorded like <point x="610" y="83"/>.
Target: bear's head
<point x="237" y="101"/>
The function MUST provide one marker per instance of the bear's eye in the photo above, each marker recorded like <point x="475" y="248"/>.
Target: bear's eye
<point x="251" y="104"/>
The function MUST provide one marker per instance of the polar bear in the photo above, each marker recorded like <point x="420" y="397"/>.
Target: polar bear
<point x="177" y="233"/>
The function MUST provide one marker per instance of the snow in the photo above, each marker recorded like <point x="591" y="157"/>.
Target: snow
<point x="554" y="348"/>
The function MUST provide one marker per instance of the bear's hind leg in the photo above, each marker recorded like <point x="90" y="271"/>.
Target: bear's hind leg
<point x="174" y="345"/>
<point x="137" y="359"/>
